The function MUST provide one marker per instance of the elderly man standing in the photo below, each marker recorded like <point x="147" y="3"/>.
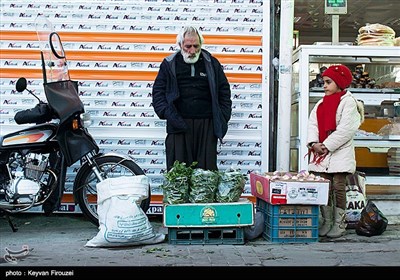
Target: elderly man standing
<point x="193" y="94"/>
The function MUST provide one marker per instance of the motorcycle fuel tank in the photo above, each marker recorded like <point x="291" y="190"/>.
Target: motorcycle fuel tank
<point x="28" y="136"/>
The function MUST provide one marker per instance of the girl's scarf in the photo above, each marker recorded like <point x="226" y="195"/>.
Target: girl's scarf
<point x="326" y="118"/>
<point x="326" y="114"/>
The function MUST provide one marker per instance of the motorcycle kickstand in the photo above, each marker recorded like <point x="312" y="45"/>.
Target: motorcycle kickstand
<point x="13" y="227"/>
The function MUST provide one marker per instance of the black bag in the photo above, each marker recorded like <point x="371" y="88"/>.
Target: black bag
<point x="63" y="98"/>
<point x="372" y="221"/>
<point x="255" y="230"/>
<point x="62" y="95"/>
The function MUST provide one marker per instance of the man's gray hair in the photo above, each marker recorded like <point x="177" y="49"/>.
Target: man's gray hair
<point x="188" y="30"/>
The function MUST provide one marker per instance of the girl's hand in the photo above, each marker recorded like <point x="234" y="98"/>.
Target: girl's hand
<point x="320" y="149"/>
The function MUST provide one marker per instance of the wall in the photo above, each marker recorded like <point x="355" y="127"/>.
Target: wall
<point x="114" y="49"/>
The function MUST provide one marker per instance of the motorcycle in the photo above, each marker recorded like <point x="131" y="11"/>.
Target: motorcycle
<point x="34" y="160"/>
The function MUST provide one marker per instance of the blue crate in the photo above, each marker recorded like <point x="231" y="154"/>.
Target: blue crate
<point x="287" y="209"/>
<point x="203" y="236"/>
<point x="289" y="223"/>
<point x="294" y="235"/>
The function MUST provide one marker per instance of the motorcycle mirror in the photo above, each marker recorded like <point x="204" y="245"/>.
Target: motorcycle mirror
<point x="21" y="84"/>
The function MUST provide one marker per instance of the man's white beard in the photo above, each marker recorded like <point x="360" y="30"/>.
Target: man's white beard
<point x="188" y="59"/>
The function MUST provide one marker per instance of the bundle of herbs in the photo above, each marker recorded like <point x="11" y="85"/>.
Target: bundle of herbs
<point x="177" y="183"/>
<point x="203" y="186"/>
<point x="230" y="186"/>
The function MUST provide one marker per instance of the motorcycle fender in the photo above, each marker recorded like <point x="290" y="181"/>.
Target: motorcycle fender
<point x="86" y="166"/>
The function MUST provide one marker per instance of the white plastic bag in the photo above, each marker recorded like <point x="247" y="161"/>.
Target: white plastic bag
<point x="121" y="220"/>
<point x="355" y="198"/>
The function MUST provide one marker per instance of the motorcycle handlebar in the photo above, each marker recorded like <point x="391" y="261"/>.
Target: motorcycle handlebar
<point x="41" y="113"/>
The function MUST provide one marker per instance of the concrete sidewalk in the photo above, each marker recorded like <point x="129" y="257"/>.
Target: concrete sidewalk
<point x="58" y="241"/>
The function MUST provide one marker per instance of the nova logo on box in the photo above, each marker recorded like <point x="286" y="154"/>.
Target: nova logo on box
<point x="259" y="187"/>
<point x="208" y="215"/>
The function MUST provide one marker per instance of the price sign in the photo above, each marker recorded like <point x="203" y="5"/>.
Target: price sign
<point x="335" y="7"/>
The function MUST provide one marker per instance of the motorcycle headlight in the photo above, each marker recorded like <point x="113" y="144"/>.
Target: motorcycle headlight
<point x="86" y="120"/>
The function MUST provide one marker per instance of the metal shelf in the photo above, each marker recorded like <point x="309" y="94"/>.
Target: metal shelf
<point x="368" y="96"/>
<point x="377" y="145"/>
<point x="383" y="180"/>
<point x="306" y="55"/>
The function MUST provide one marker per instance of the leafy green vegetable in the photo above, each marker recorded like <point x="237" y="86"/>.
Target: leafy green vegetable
<point x="203" y="186"/>
<point x="184" y="184"/>
<point x="177" y="183"/>
<point x="179" y="169"/>
<point x="231" y="186"/>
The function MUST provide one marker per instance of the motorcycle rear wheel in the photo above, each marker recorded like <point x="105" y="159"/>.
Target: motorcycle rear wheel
<point x="86" y="194"/>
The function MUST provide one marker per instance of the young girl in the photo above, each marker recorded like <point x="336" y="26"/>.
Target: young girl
<point x="332" y="125"/>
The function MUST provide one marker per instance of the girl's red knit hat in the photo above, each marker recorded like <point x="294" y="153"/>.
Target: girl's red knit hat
<point x="340" y="74"/>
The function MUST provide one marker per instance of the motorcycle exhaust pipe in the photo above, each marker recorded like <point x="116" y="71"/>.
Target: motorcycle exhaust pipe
<point x="18" y="207"/>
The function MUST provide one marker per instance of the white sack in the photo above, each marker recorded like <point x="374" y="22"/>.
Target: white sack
<point x="355" y="198"/>
<point x="121" y="220"/>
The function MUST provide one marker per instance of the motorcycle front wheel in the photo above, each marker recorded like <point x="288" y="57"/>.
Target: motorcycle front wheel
<point x="109" y="167"/>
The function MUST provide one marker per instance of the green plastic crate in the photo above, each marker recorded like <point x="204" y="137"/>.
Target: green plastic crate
<point x="199" y="215"/>
<point x="203" y="236"/>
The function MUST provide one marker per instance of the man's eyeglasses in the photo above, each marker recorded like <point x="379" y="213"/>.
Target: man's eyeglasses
<point x="189" y="46"/>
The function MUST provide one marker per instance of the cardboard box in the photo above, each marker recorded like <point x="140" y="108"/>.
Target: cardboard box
<point x="289" y="191"/>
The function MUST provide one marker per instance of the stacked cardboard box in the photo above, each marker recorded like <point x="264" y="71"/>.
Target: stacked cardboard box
<point x="290" y="204"/>
<point x="287" y="190"/>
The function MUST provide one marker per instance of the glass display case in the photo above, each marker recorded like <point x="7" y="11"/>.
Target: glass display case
<point x="376" y="72"/>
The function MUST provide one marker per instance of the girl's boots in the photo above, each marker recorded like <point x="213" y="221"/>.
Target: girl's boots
<point x="333" y="224"/>
<point x="339" y="226"/>
<point x="327" y="220"/>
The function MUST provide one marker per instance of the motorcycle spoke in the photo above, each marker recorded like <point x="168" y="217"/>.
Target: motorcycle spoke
<point x="111" y="169"/>
<point x="90" y="189"/>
